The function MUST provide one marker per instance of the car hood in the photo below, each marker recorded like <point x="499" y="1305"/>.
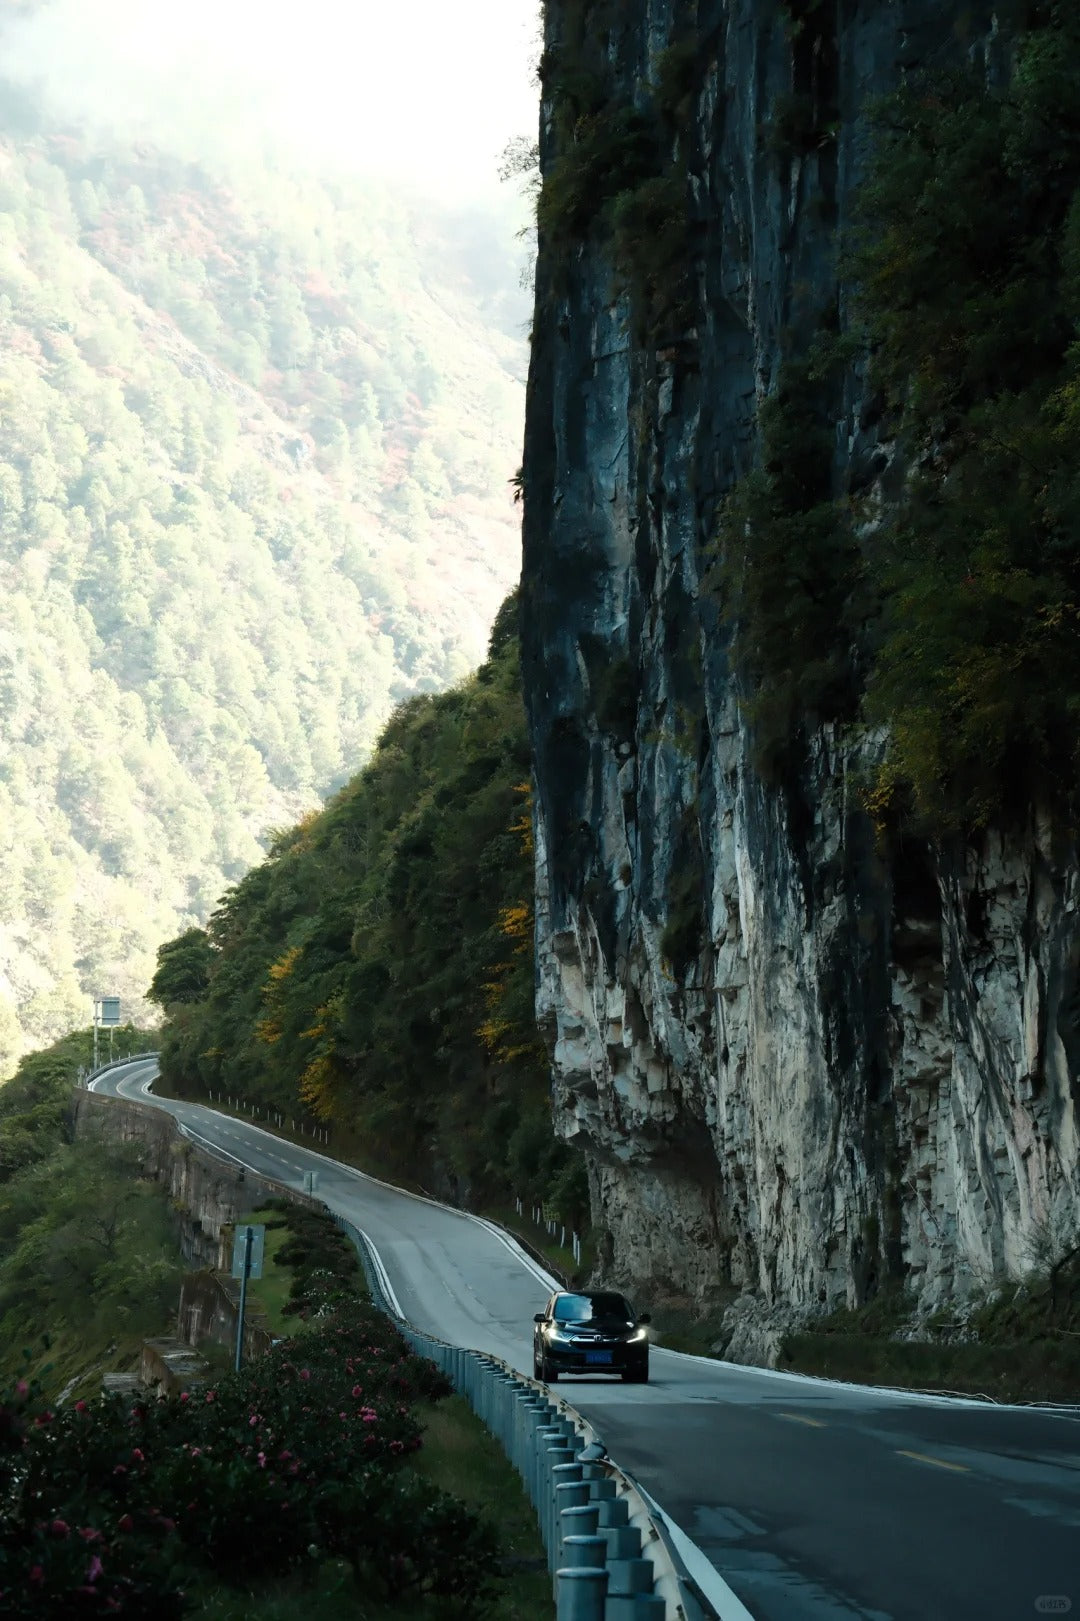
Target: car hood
<point x="588" y="1330"/>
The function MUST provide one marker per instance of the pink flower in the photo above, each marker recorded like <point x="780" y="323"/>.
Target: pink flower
<point x="88" y="1533"/>
<point x="120" y="1469"/>
<point x="137" y="1455"/>
<point x="59" y="1528"/>
<point x="185" y="1396"/>
<point x="210" y="1394"/>
<point x="253" y="1420"/>
<point x="262" y="1460"/>
<point x="305" y="1373"/>
<point x="20" y="1390"/>
<point x="125" y="1523"/>
<point x="96" y="1569"/>
<point x="80" y="1407"/>
<point x="357" y="1390"/>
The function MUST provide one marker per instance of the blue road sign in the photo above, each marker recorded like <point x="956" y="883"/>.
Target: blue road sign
<point x="258" y="1235"/>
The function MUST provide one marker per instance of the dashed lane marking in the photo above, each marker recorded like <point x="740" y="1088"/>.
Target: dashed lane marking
<point x="800" y="1418"/>
<point x="938" y="1463"/>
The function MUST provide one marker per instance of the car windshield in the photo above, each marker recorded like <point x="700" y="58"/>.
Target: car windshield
<point x="586" y="1308"/>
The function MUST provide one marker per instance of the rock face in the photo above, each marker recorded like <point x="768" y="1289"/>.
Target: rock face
<point x="800" y="1065"/>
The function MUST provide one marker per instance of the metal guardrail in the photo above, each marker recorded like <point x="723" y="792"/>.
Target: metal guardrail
<point x="609" y="1557"/>
<point x="85" y="1076"/>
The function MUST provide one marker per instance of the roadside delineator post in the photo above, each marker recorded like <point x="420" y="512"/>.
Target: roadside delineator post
<point x="580" y="1594"/>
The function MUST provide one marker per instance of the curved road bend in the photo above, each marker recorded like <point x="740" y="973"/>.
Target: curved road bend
<point x="815" y="1501"/>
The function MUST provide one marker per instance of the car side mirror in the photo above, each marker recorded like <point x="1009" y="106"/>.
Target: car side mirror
<point x="539" y="1318"/>
<point x="644" y="1318"/>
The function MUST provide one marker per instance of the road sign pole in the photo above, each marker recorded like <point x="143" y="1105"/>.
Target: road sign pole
<point x="96" y="1006"/>
<point x="249" y="1235"/>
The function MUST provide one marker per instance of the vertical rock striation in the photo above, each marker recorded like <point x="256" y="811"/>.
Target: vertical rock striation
<point x="799" y="1065"/>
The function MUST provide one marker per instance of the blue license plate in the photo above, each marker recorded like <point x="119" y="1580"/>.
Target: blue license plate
<point x="597" y="1356"/>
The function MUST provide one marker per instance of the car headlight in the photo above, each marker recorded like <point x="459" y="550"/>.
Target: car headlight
<point x="557" y="1334"/>
<point x="639" y="1334"/>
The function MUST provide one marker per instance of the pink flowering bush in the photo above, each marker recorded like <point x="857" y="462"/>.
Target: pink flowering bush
<point x="110" y="1510"/>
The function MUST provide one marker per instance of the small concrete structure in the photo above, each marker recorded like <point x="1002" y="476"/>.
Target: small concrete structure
<point x="120" y="1384"/>
<point x="169" y="1366"/>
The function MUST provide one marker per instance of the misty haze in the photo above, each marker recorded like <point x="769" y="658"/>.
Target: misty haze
<point x="261" y="393"/>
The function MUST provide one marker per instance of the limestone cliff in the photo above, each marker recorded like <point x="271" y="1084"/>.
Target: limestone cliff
<point x="853" y="1063"/>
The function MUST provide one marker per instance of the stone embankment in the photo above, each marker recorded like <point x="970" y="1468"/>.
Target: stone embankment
<point x="208" y="1197"/>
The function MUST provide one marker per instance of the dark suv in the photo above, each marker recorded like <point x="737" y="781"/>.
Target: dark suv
<point x="590" y="1333"/>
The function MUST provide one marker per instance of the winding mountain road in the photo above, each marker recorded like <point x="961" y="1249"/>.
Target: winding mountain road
<point x="814" y="1501"/>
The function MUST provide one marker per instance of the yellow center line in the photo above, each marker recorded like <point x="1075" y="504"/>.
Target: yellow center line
<point x="798" y="1418"/>
<point x="939" y="1463"/>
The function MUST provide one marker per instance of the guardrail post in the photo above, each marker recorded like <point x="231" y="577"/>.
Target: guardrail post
<point x="614" y="1511"/>
<point x="504" y="1397"/>
<point x="628" y="1578"/>
<point x="568" y="1490"/>
<point x="544" y="1437"/>
<point x="623" y="1541"/>
<point x="579" y="1521"/>
<point x="527" y="1414"/>
<point x="581" y="1594"/>
<point x="581" y="1553"/>
<point x="634" y="1607"/>
<point x="556" y="1452"/>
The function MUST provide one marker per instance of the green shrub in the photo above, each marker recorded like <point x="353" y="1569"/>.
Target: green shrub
<point x="650" y="241"/>
<point x="676" y="74"/>
<point x="602" y="153"/>
<point x="615" y="175"/>
<point x="684" y="927"/>
<point x="615" y="696"/>
<point x="967" y="280"/>
<point x="788" y="572"/>
<point x="106" y="1510"/>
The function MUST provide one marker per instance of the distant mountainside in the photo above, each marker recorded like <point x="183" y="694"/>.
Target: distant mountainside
<point x="256" y="435"/>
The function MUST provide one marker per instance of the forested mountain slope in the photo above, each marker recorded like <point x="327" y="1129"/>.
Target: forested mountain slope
<point x="377" y="969"/>
<point x="256" y="432"/>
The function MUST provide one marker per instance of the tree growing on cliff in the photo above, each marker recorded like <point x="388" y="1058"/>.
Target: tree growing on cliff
<point x="183" y="970"/>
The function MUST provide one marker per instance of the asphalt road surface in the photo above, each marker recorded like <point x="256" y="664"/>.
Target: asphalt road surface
<point x="814" y="1501"/>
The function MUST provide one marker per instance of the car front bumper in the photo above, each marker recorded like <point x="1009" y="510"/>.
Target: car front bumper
<point x="631" y="1357"/>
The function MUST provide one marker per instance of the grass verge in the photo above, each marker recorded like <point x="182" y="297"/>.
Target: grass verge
<point x="461" y="1456"/>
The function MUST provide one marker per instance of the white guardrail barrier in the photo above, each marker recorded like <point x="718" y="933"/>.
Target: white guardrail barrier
<point x="85" y="1076"/>
<point x="610" y="1558"/>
